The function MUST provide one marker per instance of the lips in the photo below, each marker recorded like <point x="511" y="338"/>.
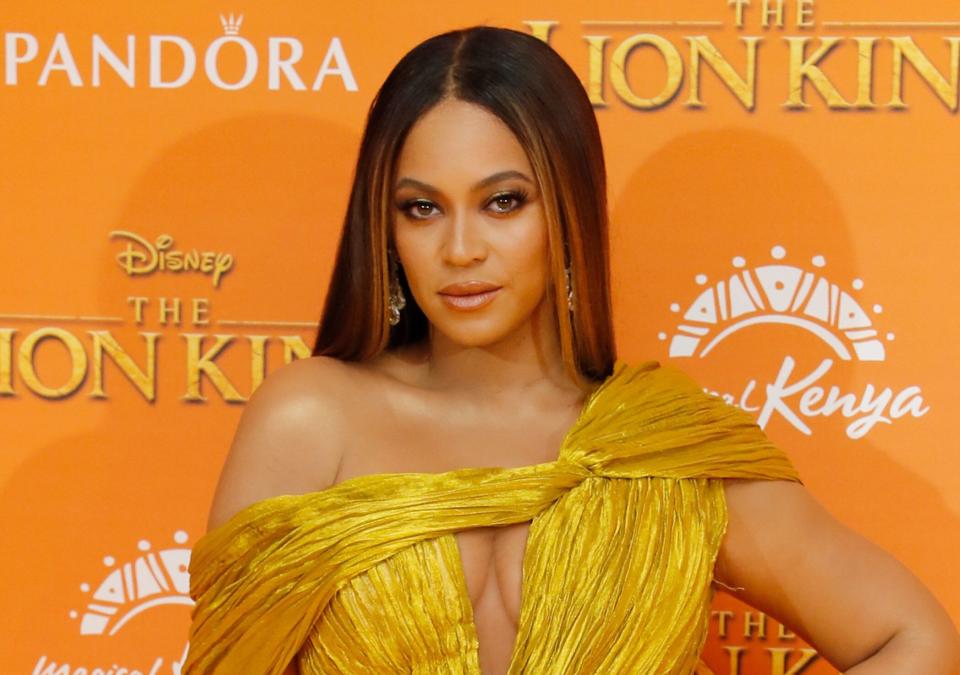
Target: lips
<point x="466" y="296"/>
<point x="468" y="288"/>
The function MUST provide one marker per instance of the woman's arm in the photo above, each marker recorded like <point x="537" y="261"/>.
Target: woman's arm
<point x="857" y="605"/>
<point x="286" y="442"/>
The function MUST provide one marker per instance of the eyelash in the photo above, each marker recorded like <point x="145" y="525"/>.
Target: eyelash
<point x="519" y="196"/>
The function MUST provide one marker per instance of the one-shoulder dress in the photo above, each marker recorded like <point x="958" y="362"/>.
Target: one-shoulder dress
<point x="365" y="576"/>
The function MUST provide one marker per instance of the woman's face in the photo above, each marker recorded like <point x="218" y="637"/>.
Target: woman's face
<point x="468" y="209"/>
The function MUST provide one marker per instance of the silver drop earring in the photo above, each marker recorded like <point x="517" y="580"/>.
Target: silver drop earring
<point x="569" y="288"/>
<point x="397" y="300"/>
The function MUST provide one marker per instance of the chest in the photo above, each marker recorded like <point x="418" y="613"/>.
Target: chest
<point x="492" y="561"/>
<point x="491" y="558"/>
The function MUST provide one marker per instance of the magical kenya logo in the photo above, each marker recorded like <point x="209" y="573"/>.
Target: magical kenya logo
<point x="781" y="293"/>
<point x="129" y="588"/>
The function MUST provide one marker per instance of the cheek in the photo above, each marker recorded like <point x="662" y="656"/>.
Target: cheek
<point x="411" y="253"/>
<point x="529" y="261"/>
<point x="417" y="279"/>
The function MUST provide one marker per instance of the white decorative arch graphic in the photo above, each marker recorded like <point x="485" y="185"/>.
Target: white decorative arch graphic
<point x="783" y="294"/>
<point x="150" y="580"/>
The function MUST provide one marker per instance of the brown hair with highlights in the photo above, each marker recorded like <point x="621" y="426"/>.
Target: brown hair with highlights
<point x="523" y="81"/>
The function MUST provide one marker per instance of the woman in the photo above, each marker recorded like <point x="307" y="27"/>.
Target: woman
<point x="464" y="479"/>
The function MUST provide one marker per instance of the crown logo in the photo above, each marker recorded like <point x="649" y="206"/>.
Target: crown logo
<point x="231" y="25"/>
<point x="151" y="579"/>
<point x="778" y="293"/>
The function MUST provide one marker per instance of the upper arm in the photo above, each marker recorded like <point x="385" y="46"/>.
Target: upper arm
<point x="791" y="559"/>
<point x="286" y="441"/>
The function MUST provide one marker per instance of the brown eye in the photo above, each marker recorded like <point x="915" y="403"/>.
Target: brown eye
<point x="421" y="208"/>
<point x="506" y="198"/>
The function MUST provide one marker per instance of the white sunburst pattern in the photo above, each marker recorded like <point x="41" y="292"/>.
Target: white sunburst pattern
<point x="783" y="294"/>
<point x="149" y="580"/>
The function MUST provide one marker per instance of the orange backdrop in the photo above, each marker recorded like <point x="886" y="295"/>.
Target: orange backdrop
<point x="172" y="184"/>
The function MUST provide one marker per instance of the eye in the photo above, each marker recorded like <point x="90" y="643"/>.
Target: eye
<point x="422" y="207"/>
<point x="504" y="199"/>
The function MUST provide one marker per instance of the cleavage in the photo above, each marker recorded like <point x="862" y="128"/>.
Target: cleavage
<point x="492" y="561"/>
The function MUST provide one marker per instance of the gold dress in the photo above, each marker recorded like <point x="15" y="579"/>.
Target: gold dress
<point x="365" y="576"/>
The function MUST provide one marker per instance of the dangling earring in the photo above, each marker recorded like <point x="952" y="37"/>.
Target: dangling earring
<point x="569" y="289"/>
<point x="397" y="301"/>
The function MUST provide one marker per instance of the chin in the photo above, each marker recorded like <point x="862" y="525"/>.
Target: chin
<point x="475" y="337"/>
<point x="474" y="331"/>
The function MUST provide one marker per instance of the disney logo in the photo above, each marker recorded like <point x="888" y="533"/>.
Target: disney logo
<point x="141" y="257"/>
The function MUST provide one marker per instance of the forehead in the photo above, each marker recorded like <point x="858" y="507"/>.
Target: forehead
<point x="456" y="142"/>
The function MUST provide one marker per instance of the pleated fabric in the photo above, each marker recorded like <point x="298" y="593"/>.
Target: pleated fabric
<point x="365" y="576"/>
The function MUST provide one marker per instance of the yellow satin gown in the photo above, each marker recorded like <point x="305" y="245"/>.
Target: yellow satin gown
<point x="365" y="576"/>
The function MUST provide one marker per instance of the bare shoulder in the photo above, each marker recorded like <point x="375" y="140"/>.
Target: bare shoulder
<point x="288" y="439"/>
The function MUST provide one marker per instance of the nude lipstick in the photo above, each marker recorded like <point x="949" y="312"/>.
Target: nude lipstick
<point x="467" y="296"/>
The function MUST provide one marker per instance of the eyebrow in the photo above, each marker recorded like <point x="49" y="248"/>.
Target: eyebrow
<point x="489" y="180"/>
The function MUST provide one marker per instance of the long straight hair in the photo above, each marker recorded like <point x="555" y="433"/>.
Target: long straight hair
<point x="524" y="82"/>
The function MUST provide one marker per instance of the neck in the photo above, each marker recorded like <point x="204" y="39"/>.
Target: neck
<point x="529" y="358"/>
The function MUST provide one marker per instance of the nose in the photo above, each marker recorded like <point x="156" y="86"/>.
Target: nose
<point x="463" y="240"/>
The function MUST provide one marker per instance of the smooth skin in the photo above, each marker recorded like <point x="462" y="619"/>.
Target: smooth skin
<point x="318" y="421"/>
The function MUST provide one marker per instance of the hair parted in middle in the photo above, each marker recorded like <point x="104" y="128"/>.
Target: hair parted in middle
<point x="523" y="81"/>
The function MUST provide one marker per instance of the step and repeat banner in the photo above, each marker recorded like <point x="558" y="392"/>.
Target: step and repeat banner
<point x="173" y="179"/>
